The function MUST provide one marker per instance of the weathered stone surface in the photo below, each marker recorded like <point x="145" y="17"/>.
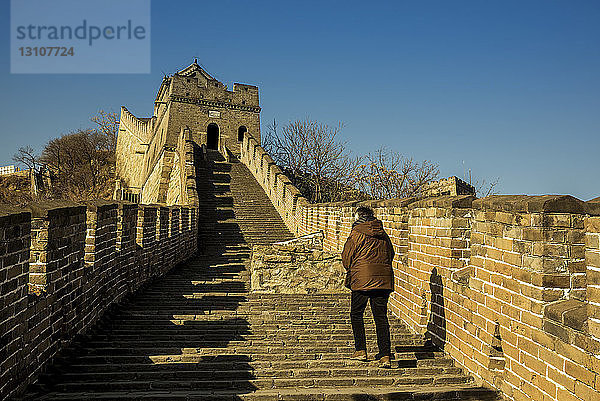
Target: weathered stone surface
<point x="531" y="204"/>
<point x="298" y="266"/>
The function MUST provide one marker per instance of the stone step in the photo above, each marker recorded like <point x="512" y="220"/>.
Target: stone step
<point x="215" y="382"/>
<point x="257" y="339"/>
<point x="208" y="324"/>
<point x="200" y="309"/>
<point x="423" y="393"/>
<point x="202" y="372"/>
<point x="119" y="362"/>
<point x="185" y="340"/>
<point x="241" y="362"/>
<point x="306" y="351"/>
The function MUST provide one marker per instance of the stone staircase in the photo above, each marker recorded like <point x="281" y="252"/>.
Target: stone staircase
<point x="234" y="207"/>
<point x="198" y="334"/>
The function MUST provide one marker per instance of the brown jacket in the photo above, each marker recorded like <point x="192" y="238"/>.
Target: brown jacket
<point x="368" y="255"/>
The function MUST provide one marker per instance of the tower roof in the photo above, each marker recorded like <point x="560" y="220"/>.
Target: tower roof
<point x="195" y="68"/>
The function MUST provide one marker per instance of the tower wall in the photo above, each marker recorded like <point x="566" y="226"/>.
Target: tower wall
<point x="190" y="100"/>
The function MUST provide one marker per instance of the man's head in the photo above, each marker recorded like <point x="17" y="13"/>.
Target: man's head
<point x="363" y="212"/>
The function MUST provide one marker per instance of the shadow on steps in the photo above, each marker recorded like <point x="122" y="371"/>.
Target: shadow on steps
<point x="171" y="338"/>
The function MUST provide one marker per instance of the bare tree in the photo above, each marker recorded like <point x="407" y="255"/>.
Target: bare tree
<point x="107" y="128"/>
<point x="322" y="168"/>
<point x="387" y="174"/>
<point x="482" y="186"/>
<point x="312" y="156"/>
<point x="485" y="188"/>
<point x="81" y="163"/>
<point x="327" y="156"/>
<point x="26" y="155"/>
<point x="269" y="136"/>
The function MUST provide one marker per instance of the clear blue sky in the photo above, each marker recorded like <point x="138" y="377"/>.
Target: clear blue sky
<point x="509" y="89"/>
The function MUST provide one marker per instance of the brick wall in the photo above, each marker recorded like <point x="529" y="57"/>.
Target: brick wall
<point x="283" y="195"/>
<point x="64" y="264"/>
<point x="503" y="284"/>
<point x="592" y="261"/>
<point x="509" y="286"/>
<point x="15" y="237"/>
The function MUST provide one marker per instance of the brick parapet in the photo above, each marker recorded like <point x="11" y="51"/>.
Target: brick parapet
<point x="64" y="264"/>
<point x="15" y="237"/>
<point x="501" y="283"/>
<point x="162" y="249"/>
<point x="57" y="244"/>
<point x="508" y="285"/>
<point x="592" y="262"/>
<point x="286" y="198"/>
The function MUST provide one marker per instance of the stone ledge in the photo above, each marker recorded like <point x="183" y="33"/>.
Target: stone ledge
<point x="335" y="204"/>
<point x="54" y="207"/>
<point x="567" y="320"/>
<point x="461" y="276"/>
<point x="531" y="204"/>
<point x="592" y="207"/>
<point x="100" y="205"/>
<point x="570" y="313"/>
<point x="459" y="202"/>
<point x="125" y="205"/>
<point x="13" y="215"/>
<point x="398" y="202"/>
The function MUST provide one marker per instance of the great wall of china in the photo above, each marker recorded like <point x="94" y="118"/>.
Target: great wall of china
<point x="494" y="297"/>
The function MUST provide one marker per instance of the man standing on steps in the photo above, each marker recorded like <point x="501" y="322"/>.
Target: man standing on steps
<point x="367" y="258"/>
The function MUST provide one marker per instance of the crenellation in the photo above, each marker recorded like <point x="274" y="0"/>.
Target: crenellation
<point x="64" y="264"/>
<point x="15" y="234"/>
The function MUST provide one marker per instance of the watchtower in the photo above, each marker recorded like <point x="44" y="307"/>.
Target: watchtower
<point x="190" y="105"/>
<point x="214" y="114"/>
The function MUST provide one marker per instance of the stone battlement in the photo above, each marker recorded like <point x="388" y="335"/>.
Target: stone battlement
<point x="64" y="264"/>
<point x="286" y="198"/>
<point x="448" y="186"/>
<point x="142" y="128"/>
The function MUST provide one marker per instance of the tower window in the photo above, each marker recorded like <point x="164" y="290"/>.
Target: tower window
<point x="212" y="136"/>
<point x="241" y="131"/>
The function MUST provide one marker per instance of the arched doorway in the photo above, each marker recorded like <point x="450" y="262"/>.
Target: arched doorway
<point x="241" y="131"/>
<point x="212" y="136"/>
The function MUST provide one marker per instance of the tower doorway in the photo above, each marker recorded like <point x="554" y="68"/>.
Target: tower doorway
<point x="241" y="131"/>
<point x="212" y="136"/>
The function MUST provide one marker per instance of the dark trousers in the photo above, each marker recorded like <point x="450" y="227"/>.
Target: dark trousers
<point x="378" y="300"/>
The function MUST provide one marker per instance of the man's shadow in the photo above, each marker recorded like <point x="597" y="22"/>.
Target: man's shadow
<point x="436" y="327"/>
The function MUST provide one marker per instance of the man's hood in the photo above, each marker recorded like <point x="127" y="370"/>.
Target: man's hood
<point x="373" y="228"/>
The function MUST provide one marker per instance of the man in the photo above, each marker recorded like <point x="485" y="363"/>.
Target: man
<point x="367" y="257"/>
